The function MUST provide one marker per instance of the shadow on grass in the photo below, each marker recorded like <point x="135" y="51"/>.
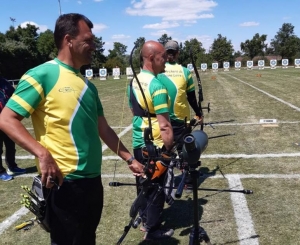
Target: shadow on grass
<point x="181" y="214"/>
<point x="244" y="239"/>
<point x="31" y="170"/>
<point x="169" y="241"/>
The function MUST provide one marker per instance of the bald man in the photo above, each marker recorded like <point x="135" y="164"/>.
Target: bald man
<point x="154" y="59"/>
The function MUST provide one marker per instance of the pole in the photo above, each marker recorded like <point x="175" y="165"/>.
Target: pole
<point x="59" y="7"/>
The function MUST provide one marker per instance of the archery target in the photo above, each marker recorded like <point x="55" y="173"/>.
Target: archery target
<point x="102" y="72"/>
<point x="203" y="66"/>
<point x="285" y="62"/>
<point x="190" y="67"/>
<point x="129" y="71"/>
<point x="273" y="62"/>
<point x="89" y="73"/>
<point x="215" y="66"/>
<point x="297" y="62"/>
<point x="226" y="64"/>
<point x="249" y="63"/>
<point x="237" y="64"/>
<point x="261" y="63"/>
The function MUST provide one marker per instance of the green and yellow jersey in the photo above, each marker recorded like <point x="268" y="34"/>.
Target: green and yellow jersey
<point x="178" y="81"/>
<point x="64" y="108"/>
<point x="157" y="100"/>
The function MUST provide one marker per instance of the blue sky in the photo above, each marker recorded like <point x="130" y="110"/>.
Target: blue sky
<point x="126" y="20"/>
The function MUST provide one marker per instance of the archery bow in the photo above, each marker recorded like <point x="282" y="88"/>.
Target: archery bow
<point x="200" y="91"/>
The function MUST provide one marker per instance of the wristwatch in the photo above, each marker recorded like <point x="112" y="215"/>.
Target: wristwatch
<point x="129" y="161"/>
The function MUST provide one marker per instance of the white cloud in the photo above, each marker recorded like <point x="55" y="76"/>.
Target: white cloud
<point x="204" y="39"/>
<point x="162" y="25"/>
<point x="159" y="33"/>
<point x="98" y="0"/>
<point x="79" y="2"/>
<point x="98" y="28"/>
<point x="42" y="28"/>
<point x="250" y="23"/>
<point x="120" y="37"/>
<point x="188" y="10"/>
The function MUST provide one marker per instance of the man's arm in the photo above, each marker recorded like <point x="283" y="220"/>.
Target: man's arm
<point x="166" y="130"/>
<point x="110" y="138"/>
<point x="191" y="96"/>
<point x="10" y="123"/>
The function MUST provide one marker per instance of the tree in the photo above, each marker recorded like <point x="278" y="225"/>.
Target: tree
<point x="197" y="51"/>
<point x="136" y="62"/>
<point x="286" y="43"/>
<point x="46" y="46"/>
<point x="19" y="51"/>
<point x="119" y="50"/>
<point x="255" y="46"/>
<point x="15" y="59"/>
<point x="221" y="49"/>
<point x="117" y="57"/>
<point x="164" y="39"/>
<point x="98" y="57"/>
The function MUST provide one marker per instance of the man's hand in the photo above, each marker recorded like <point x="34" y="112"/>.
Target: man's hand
<point x="137" y="168"/>
<point x="50" y="171"/>
<point x="199" y="120"/>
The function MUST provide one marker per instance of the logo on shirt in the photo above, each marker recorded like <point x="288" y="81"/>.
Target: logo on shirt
<point x="66" y="90"/>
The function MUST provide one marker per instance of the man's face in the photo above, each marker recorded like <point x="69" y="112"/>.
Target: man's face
<point x="171" y="55"/>
<point x="160" y="59"/>
<point x="83" y="45"/>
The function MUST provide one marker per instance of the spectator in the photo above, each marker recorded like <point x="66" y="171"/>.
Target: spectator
<point x="6" y="90"/>
<point x="67" y="144"/>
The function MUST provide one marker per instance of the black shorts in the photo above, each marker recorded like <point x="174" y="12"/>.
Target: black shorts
<point x="75" y="212"/>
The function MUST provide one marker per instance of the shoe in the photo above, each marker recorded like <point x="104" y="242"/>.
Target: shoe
<point x="159" y="234"/>
<point x="16" y="170"/>
<point x="5" y="177"/>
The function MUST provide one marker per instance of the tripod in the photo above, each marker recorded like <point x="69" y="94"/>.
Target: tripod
<point x="198" y="234"/>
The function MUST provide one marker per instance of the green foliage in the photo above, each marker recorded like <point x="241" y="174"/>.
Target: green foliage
<point x="255" y="46"/>
<point x="164" y="39"/>
<point x="16" y="58"/>
<point x="98" y="57"/>
<point x="194" y="46"/>
<point x="221" y="49"/>
<point x="117" y="57"/>
<point x="285" y="42"/>
<point x="46" y="46"/>
<point x="136" y="62"/>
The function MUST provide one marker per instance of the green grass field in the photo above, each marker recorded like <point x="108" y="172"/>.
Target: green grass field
<point x="260" y="157"/>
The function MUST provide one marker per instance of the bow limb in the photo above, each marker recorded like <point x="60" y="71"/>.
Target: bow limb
<point x="149" y="169"/>
<point x="200" y="92"/>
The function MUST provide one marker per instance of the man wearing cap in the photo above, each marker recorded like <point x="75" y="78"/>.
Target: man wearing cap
<point x="181" y="90"/>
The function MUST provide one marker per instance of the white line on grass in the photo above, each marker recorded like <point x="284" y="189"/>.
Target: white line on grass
<point x="104" y="147"/>
<point x="246" y="232"/>
<point x="10" y="220"/>
<point x="264" y="92"/>
<point x="217" y="176"/>
<point x="208" y="156"/>
<point x="258" y="123"/>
